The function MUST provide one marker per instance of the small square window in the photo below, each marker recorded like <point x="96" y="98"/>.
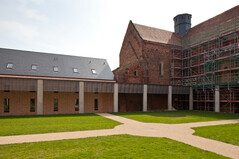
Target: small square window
<point x="34" y="67"/>
<point x="93" y="71"/>
<point x="9" y="66"/>
<point x="75" y="70"/>
<point x="55" y="68"/>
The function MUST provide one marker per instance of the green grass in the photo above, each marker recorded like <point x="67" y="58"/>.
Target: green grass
<point x="228" y="133"/>
<point x="18" y="125"/>
<point x="117" y="146"/>
<point x="176" y="117"/>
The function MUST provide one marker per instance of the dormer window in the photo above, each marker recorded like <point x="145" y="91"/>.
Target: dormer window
<point x="34" y="67"/>
<point x="93" y="71"/>
<point x="9" y="66"/>
<point x="75" y="70"/>
<point x="55" y="69"/>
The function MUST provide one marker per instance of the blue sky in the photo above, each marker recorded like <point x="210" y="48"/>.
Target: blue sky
<point x="91" y="28"/>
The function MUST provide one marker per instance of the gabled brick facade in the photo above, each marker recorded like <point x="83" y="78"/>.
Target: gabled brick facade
<point x="143" y="61"/>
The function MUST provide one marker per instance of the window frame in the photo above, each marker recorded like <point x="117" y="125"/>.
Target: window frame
<point x="6" y="105"/>
<point x="161" y="69"/>
<point x="96" y="104"/>
<point x="32" y="105"/>
<point x="77" y="106"/>
<point x="55" y="105"/>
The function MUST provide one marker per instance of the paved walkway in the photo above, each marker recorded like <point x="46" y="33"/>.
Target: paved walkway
<point x="178" y="132"/>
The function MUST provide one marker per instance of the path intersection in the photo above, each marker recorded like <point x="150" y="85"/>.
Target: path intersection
<point x="179" y="132"/>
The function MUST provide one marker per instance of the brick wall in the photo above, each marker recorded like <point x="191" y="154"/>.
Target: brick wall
<point x="157" y="102"/>
<point x="131" y="49"/>
<point x="130" y="102"/>
<point x="131" y="58"/>
<point x="20" y="102"/>
<point x="66" y="102"/>
<point x="154" y="55"/>
<point x="105" y="102"/>
<point x="140" y="60"/>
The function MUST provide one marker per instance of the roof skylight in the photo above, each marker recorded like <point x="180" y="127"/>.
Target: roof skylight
<point x="75" y="70"/>
<point x="34" y="67"/>
<point x="9" y="66"/>
<point x="55" y="68"/>
<point x="93" y="71"/>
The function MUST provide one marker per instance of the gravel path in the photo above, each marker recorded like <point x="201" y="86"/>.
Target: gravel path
<point x="179" y="132"/>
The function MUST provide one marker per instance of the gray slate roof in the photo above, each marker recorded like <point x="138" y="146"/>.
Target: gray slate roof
<point x="23" y="60"/>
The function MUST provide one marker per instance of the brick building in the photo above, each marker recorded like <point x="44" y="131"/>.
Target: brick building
<point x="40" y="83"/>
<point x="204" y="57"/>
<point x="191" y="68"/>
<point x="145" y="55"/>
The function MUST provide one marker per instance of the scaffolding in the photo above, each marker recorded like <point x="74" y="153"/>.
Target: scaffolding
<point x="208" y="59"/>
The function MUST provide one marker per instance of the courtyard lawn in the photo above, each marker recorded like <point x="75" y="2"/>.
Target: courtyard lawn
<point x="117" y="146"/>
<point x="226" y="133"/>
<point x="18" y="125"/>
<point x="175" y="117"/>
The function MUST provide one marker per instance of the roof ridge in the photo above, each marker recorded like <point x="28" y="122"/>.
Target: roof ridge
<point x="22" y="62"/>
<point x="152" y="27"/>
<point x="44" y="53"/>
<point x="153" y="34"/>
<point x="214" y="21"/>
<point x="216" y="16"/>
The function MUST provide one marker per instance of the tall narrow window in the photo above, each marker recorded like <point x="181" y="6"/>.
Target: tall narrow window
<point x="6" y="105"/>
<point x="76" y="104"/>
<point x="32" y="105"/>
<point x="96" y="104"/>
<point x="161" y="69"/>
<point x="55" y="104"/>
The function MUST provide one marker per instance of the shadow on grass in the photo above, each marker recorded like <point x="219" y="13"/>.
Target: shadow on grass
<point x="156" y="114"/>
<point x="184" y="113"/>
<point x="171" y="115"/>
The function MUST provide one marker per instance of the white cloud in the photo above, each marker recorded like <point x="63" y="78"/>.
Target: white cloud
<point x="33" y="14"/>
<point x="18" y="30"/>
<point x="38" y="2"/>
